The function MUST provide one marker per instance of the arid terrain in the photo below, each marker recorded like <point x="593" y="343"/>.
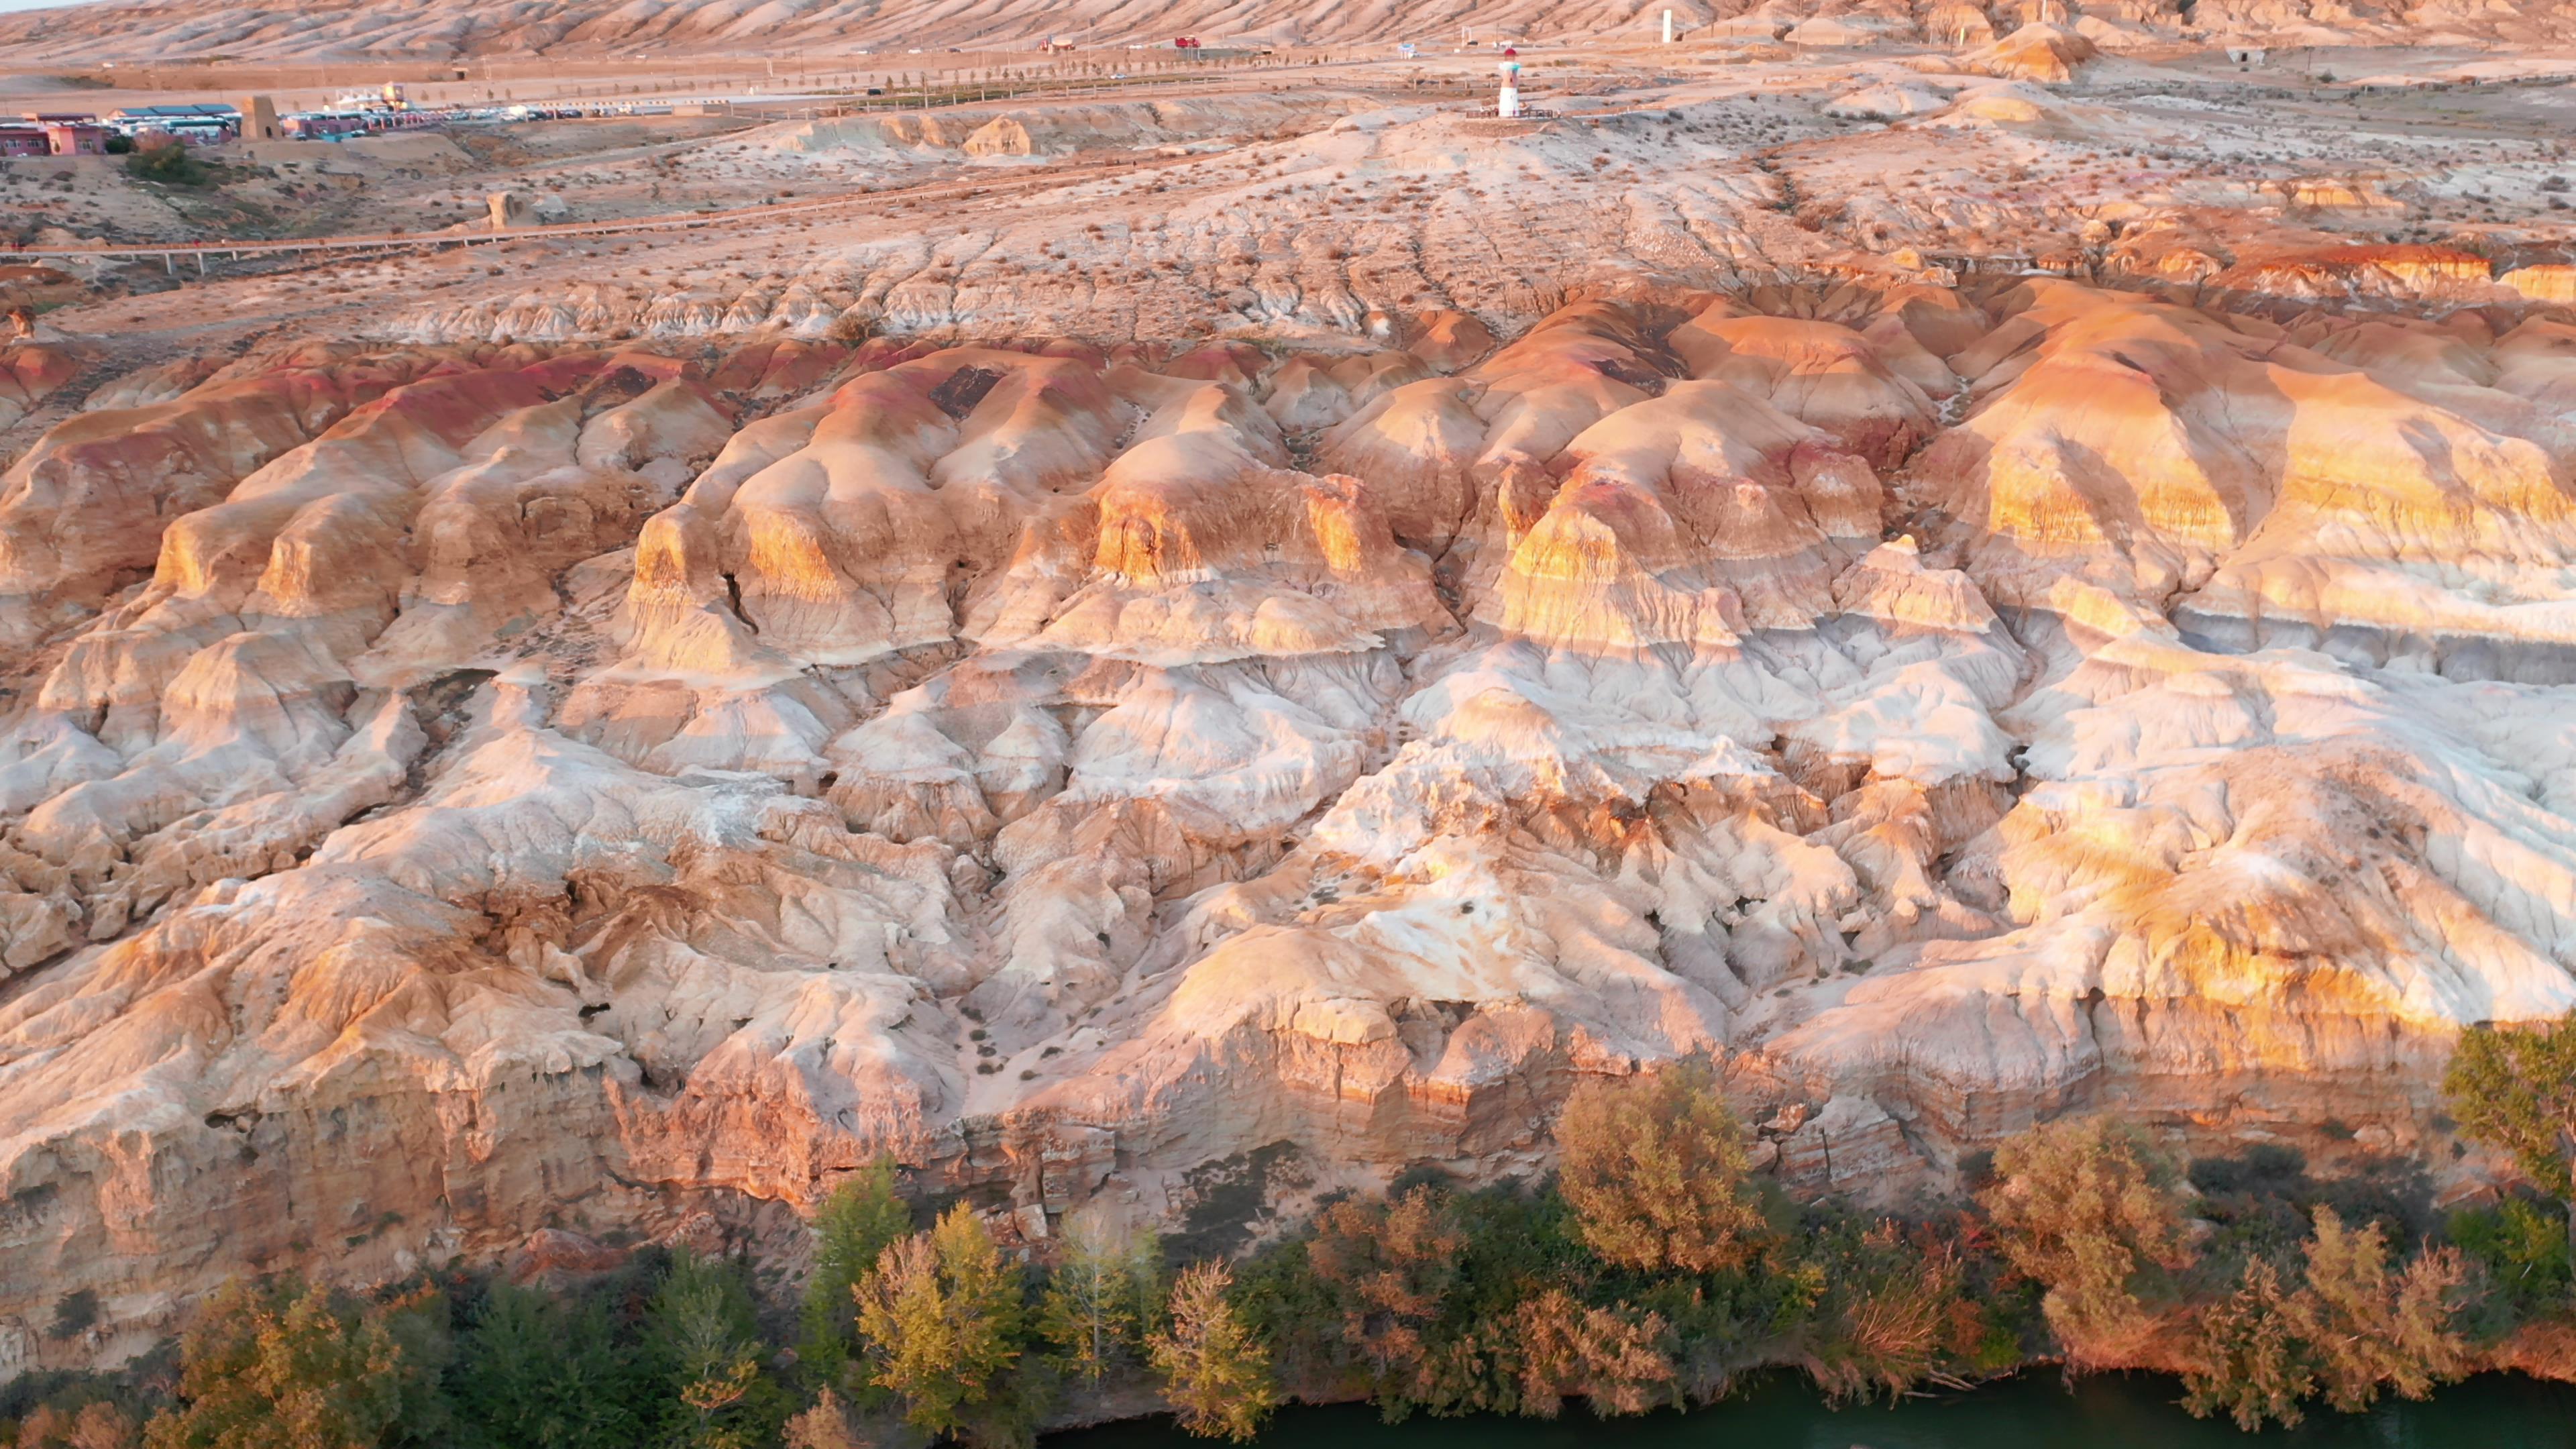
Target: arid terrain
<point x="1200" y="647"/>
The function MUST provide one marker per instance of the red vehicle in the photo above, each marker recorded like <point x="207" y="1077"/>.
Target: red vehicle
<point x="1186" y="42"/>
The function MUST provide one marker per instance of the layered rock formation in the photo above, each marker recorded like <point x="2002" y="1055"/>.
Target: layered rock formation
<point x="454" y="790"/>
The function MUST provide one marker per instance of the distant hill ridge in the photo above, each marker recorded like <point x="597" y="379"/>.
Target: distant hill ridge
<point x="458" y="29"/>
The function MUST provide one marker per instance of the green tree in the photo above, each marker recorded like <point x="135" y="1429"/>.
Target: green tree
<point x="1216" y="1374"/>
<point x="2091" y="1211"/>
<point x="2249" y="1359"/>
<point x="705" y="1344"/>
<point x="540" y="1373"/>
<point x="2372" y="1326"/>
<point x="942" y="1317"/>
<point x="420" y="1324"/>
<point x="2516" y="1089"/>
<point x="289" y="1367"/>
<point x="1655" y="1168"/>
<point x="2523" y="1249"/>
<point x="1099" y="1301"/>
<point x="855" y="1225"/>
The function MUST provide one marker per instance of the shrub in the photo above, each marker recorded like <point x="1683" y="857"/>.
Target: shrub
<point x="2375" y="1326"/>
<point x="826" y="1424"/>
<point x="168" y="165"/>
<point x="1655" y="1169"/>
<point x="2091" y="1210"/>
<point x="1891" y="1314"/>
<point x="1617" y="1358"/>
<point x="74" y="1313"/>
<point x="95" y="1425"/>
<point x="1387" y="1270"/>
<point x="2521" y="1246"/>
<point x="2249" y="1359"/>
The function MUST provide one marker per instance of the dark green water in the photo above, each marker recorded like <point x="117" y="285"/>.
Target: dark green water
<point x="2035" y="1411"/>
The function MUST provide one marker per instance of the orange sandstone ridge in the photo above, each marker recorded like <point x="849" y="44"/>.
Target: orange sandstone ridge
<point x="455" y="789"/>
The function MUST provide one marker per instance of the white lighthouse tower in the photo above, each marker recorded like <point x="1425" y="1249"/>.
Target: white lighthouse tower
<point x="1507" y="103"/>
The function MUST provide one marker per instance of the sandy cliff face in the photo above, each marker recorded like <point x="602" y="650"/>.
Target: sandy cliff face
<point x="454" y="790"/>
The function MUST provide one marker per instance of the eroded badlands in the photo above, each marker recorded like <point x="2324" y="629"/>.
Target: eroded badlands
<point x="1253" y="654"/>
<point x="459" y="787"/>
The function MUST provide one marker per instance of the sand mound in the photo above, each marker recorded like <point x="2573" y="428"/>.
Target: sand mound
<point x="1889" y="101"/>
<point x="2048" y="54"/>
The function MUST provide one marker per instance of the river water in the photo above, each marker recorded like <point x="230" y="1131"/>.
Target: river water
<point x="2034" y="1411"/>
